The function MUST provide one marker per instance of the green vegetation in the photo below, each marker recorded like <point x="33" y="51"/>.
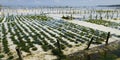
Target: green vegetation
<point x="26" y="31"/>
<point x="104" y="11"/>
<point x="34" y="48"/>
<point x="39" y="17"/>
<point x="1" y="56"/>
<point x="105" y="23"/>
<point x="1" y="19"/>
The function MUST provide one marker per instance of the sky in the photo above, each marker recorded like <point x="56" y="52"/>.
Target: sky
<point x="58" y="2"/>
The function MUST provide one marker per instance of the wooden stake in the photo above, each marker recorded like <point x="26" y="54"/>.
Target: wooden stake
<point x="89" y="43"/>
<point x="19" y="53"/>
<point x="108" y="36"/>
<point x="59" y="47"/>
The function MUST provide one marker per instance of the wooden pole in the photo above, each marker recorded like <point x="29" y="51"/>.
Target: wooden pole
<point x="108" y="36"/>
<point x="19" y="53"/>
<point x="89" y="43"/>
<point x="59" y="47"/>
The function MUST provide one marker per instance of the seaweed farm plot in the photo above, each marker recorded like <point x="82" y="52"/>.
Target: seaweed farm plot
<point x="40" y="38"/>
<point x="105" y="23"/>
<point x="1" y="18"/>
